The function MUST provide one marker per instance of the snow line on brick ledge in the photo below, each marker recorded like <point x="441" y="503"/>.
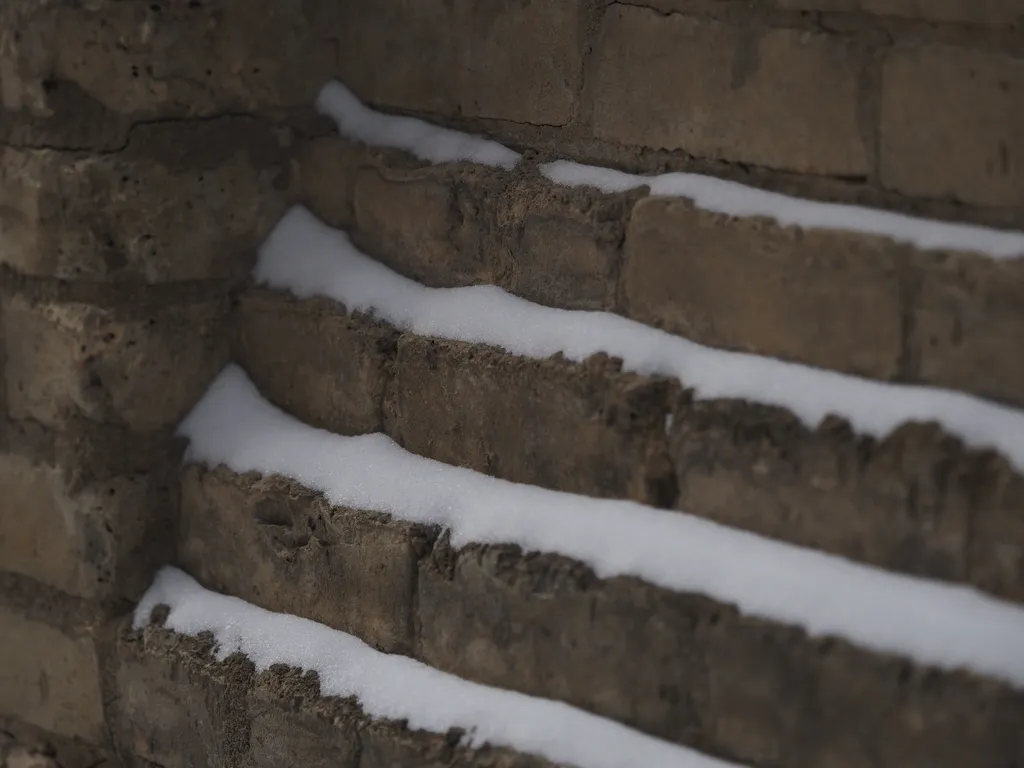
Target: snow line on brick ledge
<point x="400" y="688"/>
<point x="308" y="258"/>
<point x="436" y="144"/>
<point x="931" y="622"/>
<point x="426" y="141"/>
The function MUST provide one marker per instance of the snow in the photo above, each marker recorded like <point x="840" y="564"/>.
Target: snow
<point x="934" y="623"/>
<point x="304" y="256"/>
<point x="398" y="688"/>
<point x="424" y="140"/>
<point x="734" y="199"/>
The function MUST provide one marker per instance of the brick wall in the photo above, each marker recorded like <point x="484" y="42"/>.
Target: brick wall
<point x="146" y="149"/>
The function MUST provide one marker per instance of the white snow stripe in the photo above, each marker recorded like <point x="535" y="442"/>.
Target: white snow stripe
<point x="304" y="256"/>
<point x="933" y="623"/>
<point x="735" y="199"/>
<point x="422" y="139"/>
<point x="398" y="688"/>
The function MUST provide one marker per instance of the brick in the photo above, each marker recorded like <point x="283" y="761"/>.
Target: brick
<point x="952" y="125"/>
<point x="279" y="546"/>
<point x="740" y="688"/>
<point x="585" y="429"/>
<point x="463" y="58"/>
<point x="97" y="539"/>
<point x="820" y="297"/>
<point x="421" y="224"/>
<point x="179" y="707"/>
<point x="966" y="331"/>
<point x="309" y="358"/>
<point x="80" y="75"/>
<point x="175" y="705"/>
<point x="143" y="370"/>
<point x="50" y="679"/>
<point x="910" y="503"/>
<point x="780" y="98"/>
<point x="181" y="202"/>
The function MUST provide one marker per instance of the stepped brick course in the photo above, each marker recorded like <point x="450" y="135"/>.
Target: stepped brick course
<point x="918" y="501"/>
<point x="147" y="149"/>
<point x="543" y="624"/>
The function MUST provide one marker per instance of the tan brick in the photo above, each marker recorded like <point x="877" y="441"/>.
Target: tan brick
<point x="465" y="58"/>
<point x="828" y="299"/>
<point x="50" y="679"/>
<point x="585" y="429"/>
<point x="967" y="324"/>
<point x="182" y="202"/>
<point x="97" y="539"/>
<point x="952" y="125"/>
<point x="67" y="359"/>
<point x="81" y="74"/>
<point x="272" y="543"/>
<point x="421" y="224"/>
<point x="774" y="97"/>
<point x="326" y="368"/>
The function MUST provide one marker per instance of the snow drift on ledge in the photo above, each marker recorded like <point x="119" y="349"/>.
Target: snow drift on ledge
<point x="400" y="688"/>
<point x="436" y="144"/>
<point x="306" y="257"/>
<point x="933" y="623"/>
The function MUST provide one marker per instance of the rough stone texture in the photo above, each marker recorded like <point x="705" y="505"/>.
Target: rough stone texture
<point x="277" y="545"/>
<point x="952" y="125"/>
<point x="465" y="58"/>
<point x="175" y="705"/>
<point x="824" y="298"/>
<point x="741" y="688"/>
<point x="964" y="11"/>
<point x="327" y="368"/>
<point x="181" y="202"/>
<point x="580" y="428"/>
<point x="98" y="538"/>
<point x="909" y="503"/>
<point x="968" y="324"/>
<point x="140" y="370"/>
<point x="79" y="75"/>
<point x="179" y="707"/>
<point x="50" y="679"/>
<point x="775" y="97"/>
<point x="24" y="746"/>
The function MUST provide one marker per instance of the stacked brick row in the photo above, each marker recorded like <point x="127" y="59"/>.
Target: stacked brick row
<point x="148" y="148"/>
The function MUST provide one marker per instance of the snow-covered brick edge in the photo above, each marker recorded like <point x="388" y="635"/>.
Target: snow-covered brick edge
<point x="426" y="141"/>
<point x="308" y="258"/>
<point x="933" y="623"/>
<point x="399" y="688"/>
<point x="735" y="199"/>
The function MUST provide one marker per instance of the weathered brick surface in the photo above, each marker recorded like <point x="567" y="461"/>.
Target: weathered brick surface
<point x="281" y="547"/>
<point x="142" y="370"/>
<point x="97" y="537"/>
<point x="181" y="202"/>
<point x="50" y="678"/>
<point x="581" y="428"/>
<point x="79" y="75"/>
<point x="952" y="124"/>
<point x="966" y="322"/>
<point x="464" y="58"/>
<point x="179" y="708"/>
<point x="781" y="98"/>
<point x="911" y="503"/>
<point x="311" y="359"/>
<point x="25" y="746"/>
<point x="756" y="692"/>
<point x="917" y="502"/>
<point x="820" y="297"/>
